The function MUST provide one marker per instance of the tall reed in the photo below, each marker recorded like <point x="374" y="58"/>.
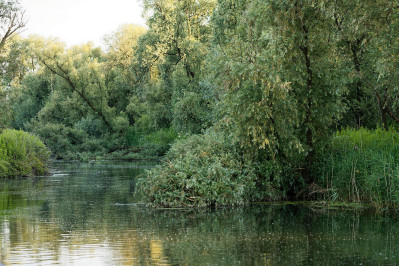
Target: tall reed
<point x="361" y="166"/>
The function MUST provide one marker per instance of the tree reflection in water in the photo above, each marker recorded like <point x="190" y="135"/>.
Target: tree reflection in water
<point x="87" y="213"/>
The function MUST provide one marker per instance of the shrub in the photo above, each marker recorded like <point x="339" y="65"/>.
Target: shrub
<point x="201" y="170"/>
<point x="61" y="140"/>
<point x="158" y="142"/>
<point x="92" y="126"/>
<point x="133" y="136"/>
<point x="361" y="165"/>
<point x="22" y="154"/>
<point x="150" y="145"/>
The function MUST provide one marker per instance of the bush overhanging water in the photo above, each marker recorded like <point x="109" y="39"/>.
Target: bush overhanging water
<point x="202" y="170"/>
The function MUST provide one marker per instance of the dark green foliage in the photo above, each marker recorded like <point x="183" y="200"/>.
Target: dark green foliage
<point x="159" y="142"/>
<point x="202" y="170"/>
<point x="189" y="113"/>
<point x="140" y="144"/>
<point x="5" y="111"/>
<point x="274" y="79"/>
<point x="62" y="140"/>
<point x="29" y="98"/>
<point x="361" y="165"/>
<point x="154" y="144"/>
<point x="22" y="154"/>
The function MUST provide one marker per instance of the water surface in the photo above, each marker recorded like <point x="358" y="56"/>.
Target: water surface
<point x="86" y="213"/>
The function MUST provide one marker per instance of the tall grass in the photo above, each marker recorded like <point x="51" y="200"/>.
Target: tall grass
<point x="361" y="166"/>
<point x="156" y="143"/>
<point x="22" y="154"/>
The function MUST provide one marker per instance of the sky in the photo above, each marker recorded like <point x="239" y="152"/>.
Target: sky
<point x="80" y="21"/>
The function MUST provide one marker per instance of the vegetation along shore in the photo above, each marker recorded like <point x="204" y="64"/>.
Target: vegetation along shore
<point x="244" y="101"/>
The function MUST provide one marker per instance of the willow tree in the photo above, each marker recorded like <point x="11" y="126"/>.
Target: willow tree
<point x="307" y="58"/>
<point x="81" y="69"/>
<point x="280" y="78"/>
<point x="169" y="62"/>
<point x="386" y="54"/>
<point x="366" y="35"/>
<point x="121" y="47"/>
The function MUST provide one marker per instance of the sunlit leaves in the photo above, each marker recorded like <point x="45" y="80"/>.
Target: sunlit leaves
<point x="169" y="62"/>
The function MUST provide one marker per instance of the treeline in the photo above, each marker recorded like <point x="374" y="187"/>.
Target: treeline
<point x="253" y="91"/>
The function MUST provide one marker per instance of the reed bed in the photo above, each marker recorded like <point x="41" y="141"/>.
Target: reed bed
<point x="361" y="166"/>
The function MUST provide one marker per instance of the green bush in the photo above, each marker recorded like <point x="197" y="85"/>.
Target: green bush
<point x="22" y="154"/>
<point x="92" y="126"/>
<point x="62" y="140"/>
<point x="133" y="136"/>
<point x="158" y="142"/>
<point x="361" y="166"/>
<point x="201" y="170"/>
<point x="152" y="144"/>
<point x="73" y="143"/>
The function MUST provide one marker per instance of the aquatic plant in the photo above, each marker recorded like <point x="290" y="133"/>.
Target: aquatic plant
<point x="361" y="166"/>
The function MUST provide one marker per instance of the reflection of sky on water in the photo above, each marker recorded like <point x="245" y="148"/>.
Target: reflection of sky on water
<point x="91" y="254"/>
<point x="87" y="214"/>
<point x="43" y="244"/>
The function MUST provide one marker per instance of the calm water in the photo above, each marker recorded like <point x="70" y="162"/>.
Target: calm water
<point x="86" y="214"/>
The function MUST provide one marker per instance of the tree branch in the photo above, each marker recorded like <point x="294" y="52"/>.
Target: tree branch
<point x="64" y="75"/>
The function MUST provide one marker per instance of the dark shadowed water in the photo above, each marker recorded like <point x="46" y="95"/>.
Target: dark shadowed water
<point x="86" y="214"/>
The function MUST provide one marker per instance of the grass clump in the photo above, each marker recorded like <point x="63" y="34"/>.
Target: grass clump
<point x="361" y="166"/>
<point x="200" y="170"/>
<point x="22" y="154"/>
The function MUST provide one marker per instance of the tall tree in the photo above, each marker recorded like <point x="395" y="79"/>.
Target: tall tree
<point x="12" y="21"/>
<point x="169" y="62"/>
<point x="121" y="46"/>
<point x="80" y="67"/>
<point x="366" y="36"/>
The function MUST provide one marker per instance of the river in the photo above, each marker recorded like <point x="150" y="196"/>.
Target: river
<point x="87" y="214"/>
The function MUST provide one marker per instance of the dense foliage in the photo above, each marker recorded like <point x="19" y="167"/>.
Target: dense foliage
<point x="361" y="165"/>
<point x="271" y="79"/>
<point x="204" y="170"/>
<point x="22" y="154"/>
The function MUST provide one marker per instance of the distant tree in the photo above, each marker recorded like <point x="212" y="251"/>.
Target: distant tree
<point x="11" y="23"/>
<point x="169" y="62"/>
<point x="121" y="43"/>
<point x="121" y="46"/>
<point x="81" y="68"/>
<point x="12" y="20"/>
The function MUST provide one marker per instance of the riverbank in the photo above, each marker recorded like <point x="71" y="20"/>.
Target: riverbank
<point x="357" y="167"/>
<point x="22" y="154"/>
